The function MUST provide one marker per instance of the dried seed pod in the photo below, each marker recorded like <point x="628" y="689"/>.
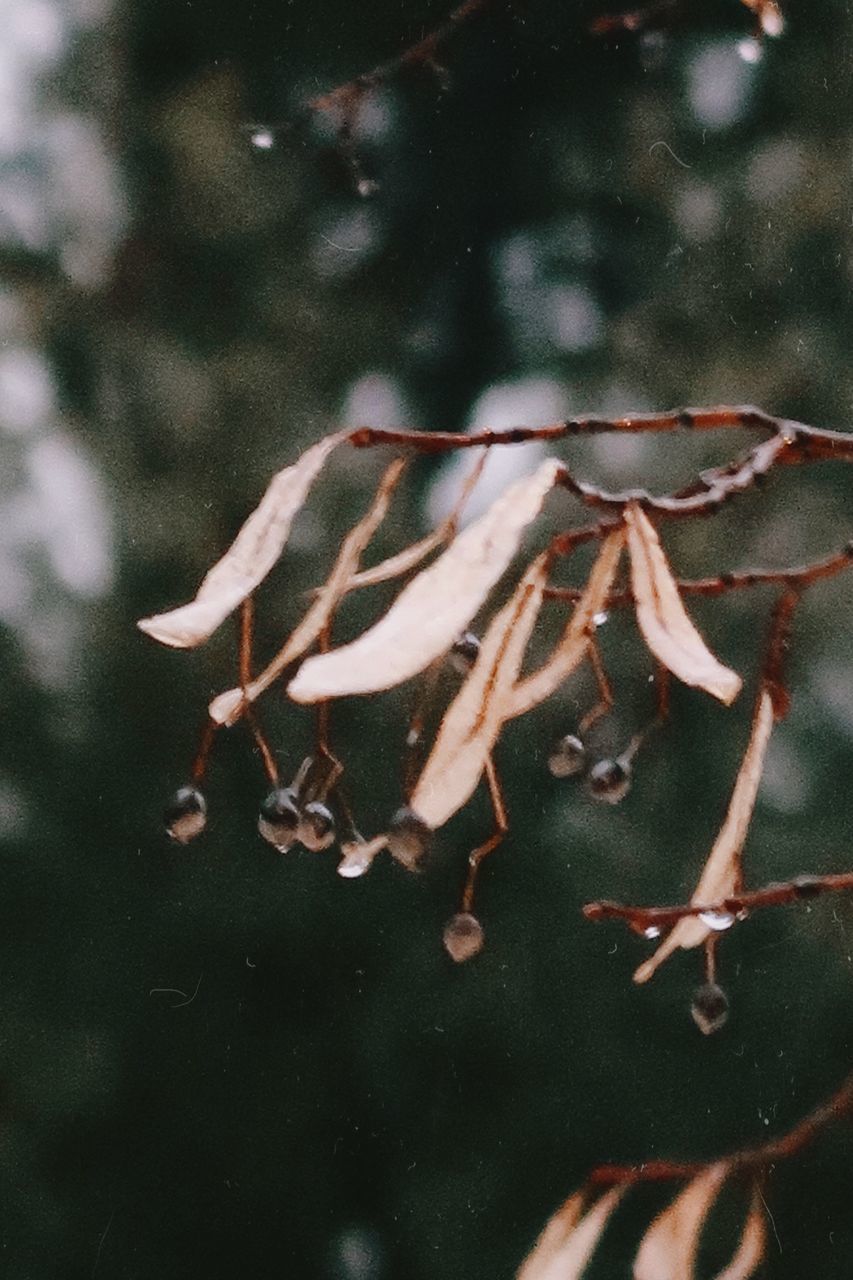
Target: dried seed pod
<point x="409" y="838"/>
<point x="609" y="781"/>
<point x="567" y="757"/>
<point x="186" y="814"/>
<point x="463" y="937"/>
<point x="316" y="827"/>
<point x="709" y="1008"/>
<point x="278" y="820"/>
<point x="464" y="653"/>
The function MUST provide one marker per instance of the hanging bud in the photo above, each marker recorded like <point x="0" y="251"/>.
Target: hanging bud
<point x="408" y="838"/>
<point x="463" y="937"/>
<point x="464" y="653"/>
<point x="609" y="781"/>
<point x="279" y="818"/>
<point x="567" y="757"/>
<point x="186" y="815"/>
<point x="710" y="1008"/>
<point x="316" y="827"/>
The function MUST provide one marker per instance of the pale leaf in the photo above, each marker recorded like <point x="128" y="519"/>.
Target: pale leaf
<point x="721" y="873"/>
<point x="753" y="1242"/>
<point x="662" y="618"/>
<point x="227" y="707"/>
<point x="473" y="721"/>
<point x="669" y="1247"/>
<point x="249" y="559"/>
<point x="574" y="641"/>
<point x="569" y="1240"/>
<point x="432" y="610"/>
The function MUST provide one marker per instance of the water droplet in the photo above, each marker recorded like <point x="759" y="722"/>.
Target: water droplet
<point x="567" y="757"/>
<point x="186" y="815"/>
<point x="719" y="921"/>
<point x="463" y="937"/>
<point x="750" y="49"/>
<point x="599" y="619"/>
<point x="262" y="139"/>
<point x="316" y="827"/>
<point x="710" y="1008"/>
<point x="609" y="781"/>
<point x="465" y="651"/>
<point x="279" y="818"/>
<point x="366" y="187"/>
<point x="408" y="838"/>
<point x="651" y="932"/>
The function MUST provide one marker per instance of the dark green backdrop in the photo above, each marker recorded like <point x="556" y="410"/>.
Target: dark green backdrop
<point x="218" y="1063"/>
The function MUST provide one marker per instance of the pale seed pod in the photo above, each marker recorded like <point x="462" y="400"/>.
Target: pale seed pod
<point x="463" y="937"/>
<point x="709" y="1008"/>
<point x="186" y="815"/>
<point x="278" y="820"/>
<point x="567" y="757"/>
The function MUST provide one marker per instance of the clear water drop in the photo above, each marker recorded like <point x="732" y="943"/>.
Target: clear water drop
<point x="262" y="139"/>
<point x="651" y="932"/>
<point x="719" y="921"/>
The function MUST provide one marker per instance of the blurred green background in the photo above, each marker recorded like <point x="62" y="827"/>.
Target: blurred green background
<point x="217" y="1062"/>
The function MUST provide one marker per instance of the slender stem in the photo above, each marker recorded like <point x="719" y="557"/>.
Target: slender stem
<point x="202" y="756"/>
<point x="247" y="629"/>
<point x="488" y="846"/>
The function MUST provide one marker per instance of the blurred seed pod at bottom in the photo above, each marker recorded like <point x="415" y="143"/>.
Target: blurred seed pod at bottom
<point x="409" y="838"/>
<point x="709" y="1008"/>
<point x="463" y="937"/>
<point x="186" y="815"/>
<point x="278" y="820"/>
<point x="316" y="828"/>
<point x="609" y="781"/>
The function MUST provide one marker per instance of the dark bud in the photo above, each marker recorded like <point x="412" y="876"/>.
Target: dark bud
<point x="567" y="757"/>
<point x="279" y="818"/>
<point x="710" y="1008"/>
<point x="609" y="781"/>
<point x="409" y="839"/>
<point x="186" y="815"/>
<point x="464" y="653"/>
<point x="463" y="937"/>
<point x="316" y="827"/>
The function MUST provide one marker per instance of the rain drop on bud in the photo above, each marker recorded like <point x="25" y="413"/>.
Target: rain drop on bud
<point x="464" y="653"/>
<point x="463" y="937"/>
<point x="609" y="781"/>
<point x="719" y="921"/>
<point x="316" y="827"/>
<point x="409" y="838"/>
<point x="710" y="1008"/>
<point x="186" y="815"/>
<point x="567" y="757"/>
<point x="279" y="818"/>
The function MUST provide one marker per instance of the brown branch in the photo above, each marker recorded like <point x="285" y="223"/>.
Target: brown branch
<point x="798" y="578"/>
<point x="748" y="1159"/>
<point x="776" y="894"/>
<point x="422" y="53"/>
<point x="202" y="755"/>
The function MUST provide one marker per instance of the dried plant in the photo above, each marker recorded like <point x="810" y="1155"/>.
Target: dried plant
<point x="451" y="582"/>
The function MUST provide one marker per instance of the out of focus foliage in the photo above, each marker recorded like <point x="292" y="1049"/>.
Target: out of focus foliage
<point x="221" y="1063"/>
